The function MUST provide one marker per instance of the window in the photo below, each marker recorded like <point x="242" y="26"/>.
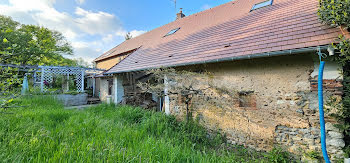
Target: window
<point x="262" y="4"/>
<point x="172" y="32"/>
<point x="110" y="86"/>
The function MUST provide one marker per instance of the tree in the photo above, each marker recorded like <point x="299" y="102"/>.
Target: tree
<point x="10" y="81"/>
<point x="80" y="62"/>
<point x="193" y="88"/>
<point x="27" y="44"/>
<point x="32" y="45"/>
<point x="128" y="36"/>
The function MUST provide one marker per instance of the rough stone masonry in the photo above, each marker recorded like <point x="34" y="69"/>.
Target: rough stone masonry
<point x="278" y="105"/>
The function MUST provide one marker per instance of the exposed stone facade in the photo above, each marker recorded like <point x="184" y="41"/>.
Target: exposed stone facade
<point x="282" y="104"/>
<point x="279" y="106"/>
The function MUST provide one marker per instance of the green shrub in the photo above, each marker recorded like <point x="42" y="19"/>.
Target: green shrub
<point x="335" y="12"/>
<point x="278" y="155"/>
<point x="313" y="154"/>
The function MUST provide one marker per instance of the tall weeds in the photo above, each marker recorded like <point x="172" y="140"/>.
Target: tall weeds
<point x="46" y="132"/>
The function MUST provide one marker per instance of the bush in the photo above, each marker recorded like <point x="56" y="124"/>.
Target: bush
<point x="278" y="155"/>
<point x="335" y="12"/>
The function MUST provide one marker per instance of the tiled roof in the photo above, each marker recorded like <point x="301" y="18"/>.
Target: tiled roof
<point x="229" y="30"/>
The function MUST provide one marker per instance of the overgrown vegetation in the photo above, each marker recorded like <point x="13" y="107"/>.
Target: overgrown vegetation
<point x="32" y="45"/>
<point x="193" y="89"/>
<point x="336" y="13"/>
<point x="45" y="132"/>
<point x="9" y="83"/>
<point x="168" y="81"/>
<point x="313" y="155"/>
<point x="22" y="44"/>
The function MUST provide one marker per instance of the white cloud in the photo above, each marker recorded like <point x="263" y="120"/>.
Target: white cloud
<point x="134" y="33"/>
<point x="108" y="38"/>
<point x="86" y="51"/>
<point x="105" y="28"/>
<point x="80" y="2"/>
<point x="97" y="22"/>
<point x="30" y="5"/>
<point x="205" y="7"/>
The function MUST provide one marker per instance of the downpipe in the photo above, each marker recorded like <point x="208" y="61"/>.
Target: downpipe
<point x="320" y="106"/>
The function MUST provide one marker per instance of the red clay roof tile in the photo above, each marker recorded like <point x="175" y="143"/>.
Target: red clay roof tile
<point x="229" y="30"/>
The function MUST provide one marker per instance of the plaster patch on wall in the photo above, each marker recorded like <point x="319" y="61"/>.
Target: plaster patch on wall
<point x="332" y="70"/>
<point x="118" y="89"/>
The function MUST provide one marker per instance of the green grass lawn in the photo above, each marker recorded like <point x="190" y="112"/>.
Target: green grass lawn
<point x="45" y="132"/>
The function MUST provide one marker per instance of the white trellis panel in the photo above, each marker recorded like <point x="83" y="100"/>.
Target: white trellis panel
<point x="47" y="74"/>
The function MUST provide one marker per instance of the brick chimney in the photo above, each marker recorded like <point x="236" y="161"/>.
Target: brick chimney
<point x="180" y="14"/>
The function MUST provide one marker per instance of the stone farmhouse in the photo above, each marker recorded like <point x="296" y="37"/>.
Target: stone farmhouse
<point x="264" y="50"/>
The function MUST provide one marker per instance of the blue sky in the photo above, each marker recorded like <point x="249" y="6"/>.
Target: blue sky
<point x="95" y="26"/>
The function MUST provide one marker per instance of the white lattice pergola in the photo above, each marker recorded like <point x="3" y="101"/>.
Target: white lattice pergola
<point x="47" y="73"/>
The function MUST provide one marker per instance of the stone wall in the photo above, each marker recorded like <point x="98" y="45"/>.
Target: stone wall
<point x="303" y="140"/>
<point x="282" y="105"/>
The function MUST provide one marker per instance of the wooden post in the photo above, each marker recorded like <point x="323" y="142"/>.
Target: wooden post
<point x="93" y="85"/>
<point x="42" y="80"/>
<point x="82" y="80"/>
<point x="34" y="79"/>
<point x="166" y="97"/>
<point x="65" y="83"/>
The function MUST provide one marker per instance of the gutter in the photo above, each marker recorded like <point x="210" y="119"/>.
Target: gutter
<point x="251" y="56"/>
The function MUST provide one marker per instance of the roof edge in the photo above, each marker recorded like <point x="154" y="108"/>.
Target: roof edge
<point x="115" y="55"/>
<point x="258" y="55"/>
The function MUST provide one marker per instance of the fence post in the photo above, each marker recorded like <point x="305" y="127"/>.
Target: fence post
<point x="42" y="80"/>
<point x="82" y="80"/>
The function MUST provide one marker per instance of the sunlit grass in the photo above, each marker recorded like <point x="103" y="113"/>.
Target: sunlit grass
<point x="45" y="132"/>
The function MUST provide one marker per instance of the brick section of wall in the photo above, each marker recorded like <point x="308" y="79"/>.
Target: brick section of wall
<point x="330" y="85"/>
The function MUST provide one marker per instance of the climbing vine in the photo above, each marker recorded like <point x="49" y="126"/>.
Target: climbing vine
<point x="336" y="13"/>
